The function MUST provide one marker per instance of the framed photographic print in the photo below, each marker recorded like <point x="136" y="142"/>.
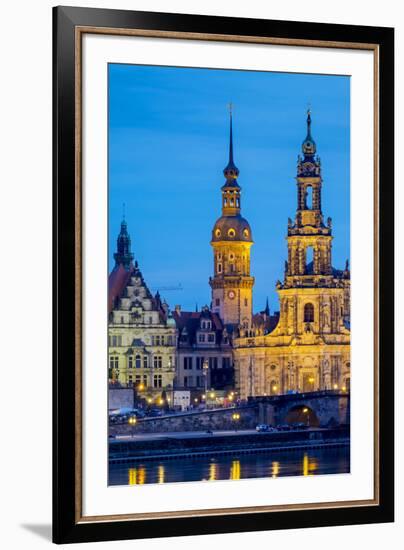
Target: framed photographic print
<point x="223" y="274"/>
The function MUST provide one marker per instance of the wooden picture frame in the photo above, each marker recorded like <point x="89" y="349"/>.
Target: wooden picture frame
<point x="70" y="24"/>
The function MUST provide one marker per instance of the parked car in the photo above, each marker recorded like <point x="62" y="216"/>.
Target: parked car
<point x="284" y="428"/>
<point x="264" y="428"/>
<point x="155" y="412"/>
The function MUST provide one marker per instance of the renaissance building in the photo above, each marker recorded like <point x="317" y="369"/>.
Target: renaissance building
<point x="309" y="349"/>
<point x="142" y="333"/>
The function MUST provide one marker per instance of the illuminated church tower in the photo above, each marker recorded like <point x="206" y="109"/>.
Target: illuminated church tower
<point x="314" y="296"/>
<point x="309" y="349"/>
<point x="231" y="242"/>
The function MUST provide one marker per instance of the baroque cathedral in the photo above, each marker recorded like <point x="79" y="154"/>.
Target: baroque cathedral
<point x="305" y="347"/>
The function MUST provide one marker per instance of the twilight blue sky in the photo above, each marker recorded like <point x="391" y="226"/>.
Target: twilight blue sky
<point x="168" y="145"/>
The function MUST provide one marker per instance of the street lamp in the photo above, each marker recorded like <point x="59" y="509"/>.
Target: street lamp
<point x="205" y="371"/>
<point x="132" y="421"/>
<point x="235" y="417"/>
<point x="306" y="412"/>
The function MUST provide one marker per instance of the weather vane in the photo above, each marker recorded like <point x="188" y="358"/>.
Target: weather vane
<point x="123" y="211"/>
<point x="230" y="106"/>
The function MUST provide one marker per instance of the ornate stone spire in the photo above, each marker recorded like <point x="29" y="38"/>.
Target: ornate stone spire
<point x="309" y="145"/>
<point x="123" y="254"/>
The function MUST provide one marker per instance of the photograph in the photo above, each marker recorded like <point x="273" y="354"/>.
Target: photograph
<point x="229" y="306"/>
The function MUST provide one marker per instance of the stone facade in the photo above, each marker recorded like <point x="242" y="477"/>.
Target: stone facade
<point x="309" y="349"/>
<point x="142" y="333"/>
<point x="202" y="336"/>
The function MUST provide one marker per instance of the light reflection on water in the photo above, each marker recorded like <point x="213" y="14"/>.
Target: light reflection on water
<point x="295" y="463"/>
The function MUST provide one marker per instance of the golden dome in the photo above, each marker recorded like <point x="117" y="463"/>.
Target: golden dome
<point x="232" y="228"/>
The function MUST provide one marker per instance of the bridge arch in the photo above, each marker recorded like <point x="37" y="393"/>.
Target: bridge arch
<point x="302" y="414"/>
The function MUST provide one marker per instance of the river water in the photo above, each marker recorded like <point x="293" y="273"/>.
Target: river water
<point x="238" y="466"/>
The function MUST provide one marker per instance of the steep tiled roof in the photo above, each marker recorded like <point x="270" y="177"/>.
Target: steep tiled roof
<point x="190" y="321"/>
<point x="117" y="280"/>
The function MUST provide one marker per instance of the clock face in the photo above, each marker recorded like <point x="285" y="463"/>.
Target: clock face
<point x="231" y="294"/>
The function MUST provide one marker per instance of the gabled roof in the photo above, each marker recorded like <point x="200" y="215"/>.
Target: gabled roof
<point x="189" y="321"/>
<point x="117" y="281"/>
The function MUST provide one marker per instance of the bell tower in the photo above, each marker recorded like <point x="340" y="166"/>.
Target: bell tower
<point x="231" y="242"/>
<point x="309" y="240"/>
<point x="314" y="296"/>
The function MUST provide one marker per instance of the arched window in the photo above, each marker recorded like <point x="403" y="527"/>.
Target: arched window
<point x="309" y="198"/>
<point x="137" y="362"/>
<point x="309" y="313"/>
<point x="145" y="365"/>
<point x="309" y="260"/>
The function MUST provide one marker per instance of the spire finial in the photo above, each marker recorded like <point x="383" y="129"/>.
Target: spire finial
<point x="231" y="171"/>
<point x="123" y="211"/>
<point x="231" y="132"/>
<point x="266" y="311"/>
<point x="309" y="145"/>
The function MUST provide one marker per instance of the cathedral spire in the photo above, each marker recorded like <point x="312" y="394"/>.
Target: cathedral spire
<point x="123" y="254"/>
<point x="309" y="145"/>
<point x="231" y="171"/>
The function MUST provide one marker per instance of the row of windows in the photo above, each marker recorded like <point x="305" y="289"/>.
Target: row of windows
<point x="156" y="340"/>
<point x="206" y="338"/>
<point x="157" y="380"/>
<point x="190" y="382"/>
<point x="213" y="362"/>
<point x="162" y="340"/>
<point x="137" y="362"/>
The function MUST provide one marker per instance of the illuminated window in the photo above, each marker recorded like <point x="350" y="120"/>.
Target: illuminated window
<point x="231" y="232"/>
<point x="309" y="313"/>
<point x="246" y="233"/>
<point x="218" y="232"/>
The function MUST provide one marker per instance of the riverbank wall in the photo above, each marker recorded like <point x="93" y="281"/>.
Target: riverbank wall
<point x="121" y="452"/>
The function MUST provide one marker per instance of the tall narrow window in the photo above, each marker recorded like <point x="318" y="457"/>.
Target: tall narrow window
<point x="137" y="362"/>
<point x="309" y="313"/>
<point x="309" y="260"/>
<point x="309" y="198"/>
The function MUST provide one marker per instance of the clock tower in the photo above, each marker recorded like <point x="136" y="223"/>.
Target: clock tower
<point x="231" y="242"/>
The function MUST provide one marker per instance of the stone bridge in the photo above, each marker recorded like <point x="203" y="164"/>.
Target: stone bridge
<point x="322" y="408"/>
